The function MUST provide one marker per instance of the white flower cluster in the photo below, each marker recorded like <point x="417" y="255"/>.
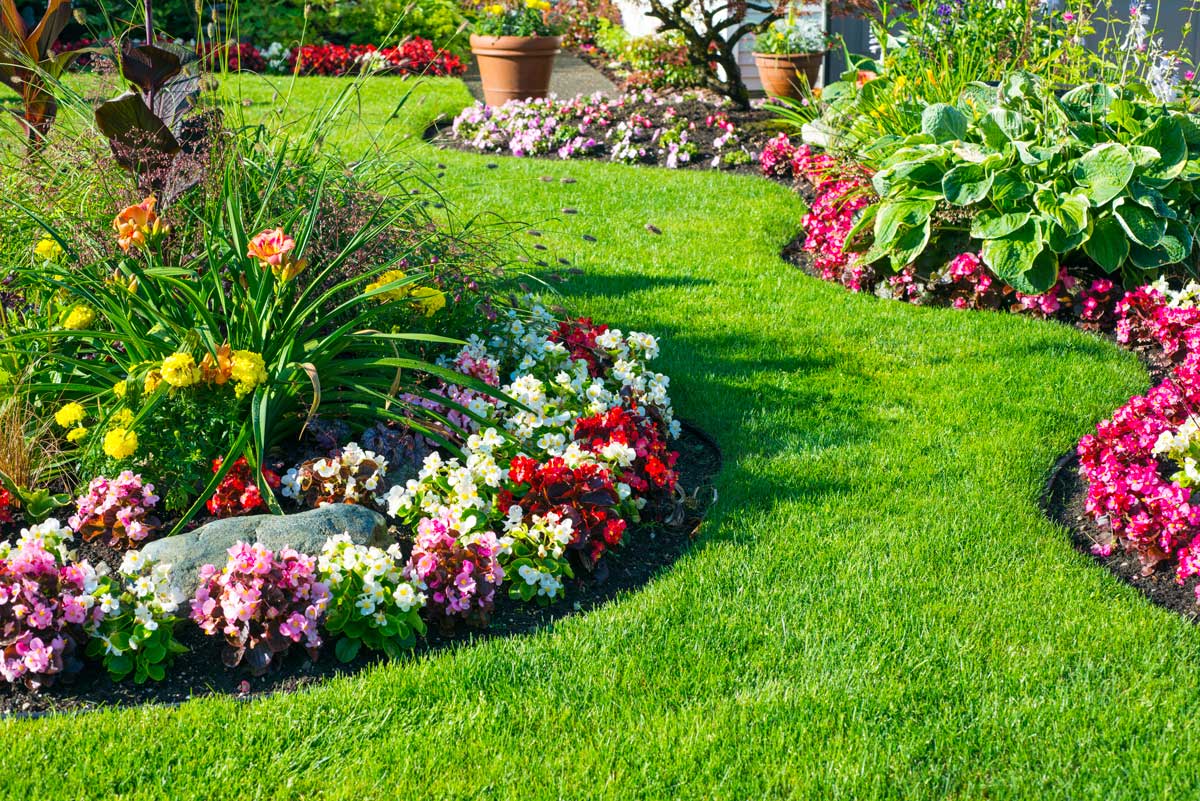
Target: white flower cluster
<point x="459" y="493"/>
<point x="143" y="589"/>
<point x="51" y="534"/>
<point x="537" y="544"/>
<point x="1186" y="298"/>
<point x="383" y="585"/>
<point x="353" y="476"/>
<point x="1182" y="446"/>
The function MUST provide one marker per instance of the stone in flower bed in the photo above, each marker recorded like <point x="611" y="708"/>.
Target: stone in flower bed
<point x="306" y="532"/>
<point x="640" y="128"/>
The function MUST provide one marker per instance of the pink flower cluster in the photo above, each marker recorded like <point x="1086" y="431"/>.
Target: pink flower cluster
<point x="970" y="281"/>
<point x="1048" y="303"/>
<point x="119" y="509"/>
<point x="262" y="603"/>
<point x="1128" y="489"/>
<point x="1098" y="305"/>
<point x="44" y="603"/>
<point x="828" y="223"/>
<point x="460" y="575"/>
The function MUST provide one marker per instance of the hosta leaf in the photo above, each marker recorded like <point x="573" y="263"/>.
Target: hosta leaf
<point x="1062" y="242"/>
<point x="1141" y="224"/>
<point x="976" y="97"/>
<point x="1012" y="255"/>
<point x="1008" y="190"/>
<point x="944" y="123"/>
<point x="1151" y="199"/>
<point x="1069" y="211"/>
<point x="1175" y="246"/>
<point x="1104" y="172"/>
<point x="1088" y="100"/>
<point x="857" y="240"/>
<point x="894" y="216"/>
<point x="990" y="224"/>
<point x="1167" y="138"/>
<point x="966" y="184"/>
<point x="909" y="245"/>
<point x="1108" y="244"/>
<point x="1041" y="275"/>
<point x="1033" y="155"/>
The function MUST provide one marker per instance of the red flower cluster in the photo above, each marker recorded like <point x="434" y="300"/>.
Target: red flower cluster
<point x="586" y="495"/>
<point x="1145" y="318"/>
<point x="579" y="337"/>
<point x="238" y="494"/>
<point x="5" y="506"/>
<point x="414" y="57"/>
<point x="233" y="57"/>
<point x="652" y="472"/>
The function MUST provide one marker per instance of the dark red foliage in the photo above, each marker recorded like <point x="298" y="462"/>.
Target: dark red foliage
<point x="652" y="473"/>
<point x="585" y="494"/>
<point x="238" y="493"/>
<point x="579" y="337"/>
<point x="414" y="57"/>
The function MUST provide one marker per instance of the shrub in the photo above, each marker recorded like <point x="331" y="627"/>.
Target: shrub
<point x="45" y="600"/>
<point x="659" y="61"/>
<point x="459" y="574"/>
<point x="261" y="603"/>
<point x="371" y="603"/>
<point x="119" y="510"/>
<point x="136" y="633"/>
<point x="439" y="21"/>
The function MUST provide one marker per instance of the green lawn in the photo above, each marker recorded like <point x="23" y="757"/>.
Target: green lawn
<point x="875" y="608"/>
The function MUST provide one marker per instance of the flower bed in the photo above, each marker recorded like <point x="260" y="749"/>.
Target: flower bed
<point x="636" y="128"/>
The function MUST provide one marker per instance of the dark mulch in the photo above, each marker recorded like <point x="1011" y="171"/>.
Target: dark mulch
<point x="648" y="550"/>
<point x="752" y="126"/>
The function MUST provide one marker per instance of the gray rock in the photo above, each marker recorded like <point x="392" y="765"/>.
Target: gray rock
<point x="306" y="532"/>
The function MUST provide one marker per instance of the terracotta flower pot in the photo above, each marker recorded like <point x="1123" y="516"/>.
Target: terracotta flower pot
<point x="780" y="74"/>
<point x="515" y="67"/>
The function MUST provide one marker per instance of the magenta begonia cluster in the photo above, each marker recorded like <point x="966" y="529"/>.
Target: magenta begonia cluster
<point x="44" y="603"/>
<point x="1130" y="488"/>
<point x="262" y="603"/>
<point x="459" y="575"/>
<point x="119" y="508"/>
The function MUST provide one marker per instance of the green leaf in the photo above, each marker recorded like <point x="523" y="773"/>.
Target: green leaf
<point x="346" y="649"/>
<point x="1040" y="277"/>
<point x="1165" y="136"/>
<point x="895" y="216"/>
<point x="1001" y="126"/>
<point x="992" y="224"/>
<point x="966" y="184"/>
<point x="910" y="244"/>
<point x="1104" y="172"/>
<point x="944" y="123"/>
<point x="1009" y="189"/>
<point x="1108" y="245"/>
<point x="1069" y="211"/>
<point x="1011" y="256"/>
<point x="1141" y="224"/>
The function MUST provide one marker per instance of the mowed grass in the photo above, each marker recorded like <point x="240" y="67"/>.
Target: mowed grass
<point x="875" y="607"/>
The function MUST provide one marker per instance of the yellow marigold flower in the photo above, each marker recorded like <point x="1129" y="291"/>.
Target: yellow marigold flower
<point x="139" y="225"/>
<point x="76" y="435"/>
<point x="121" y="419"/>
<point x="248" y="370"/>
<point x="391" y="276"/>
<point x="70" y="415"/>
<point x="153" y="379"/>
<point x="180" y="370"/>
<point x="495" y="8"/>
<point x="428" y="300"/>
<point x="275" y="252"/>
<point x="120" y="388"/>
<point x="48" y="249"/>
<point x="78" y="318"/>
<point x="120" y="443"/>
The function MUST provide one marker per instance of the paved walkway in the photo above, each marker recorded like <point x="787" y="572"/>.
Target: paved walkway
<point x="572" y="76"/>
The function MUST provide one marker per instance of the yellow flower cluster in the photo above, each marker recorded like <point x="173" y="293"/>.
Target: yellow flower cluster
<point x="429" y="300"/>
<point x="70" y="415"/>
<point x="48" y="249"/>
<point x="537" y="5"/>
<point x="78" y="317"/>
<point x="248" y="370"/>
<point x="180" y="370"/>
<point x="120" y="443"/>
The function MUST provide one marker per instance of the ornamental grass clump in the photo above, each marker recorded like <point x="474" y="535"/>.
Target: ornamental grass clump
<point x="371" y="602"/>
<point x="261" y="603"/>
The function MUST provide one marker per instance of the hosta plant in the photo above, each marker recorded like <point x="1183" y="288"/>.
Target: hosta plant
<point x="1038" y="180"/>
<point x="371" y="603"/>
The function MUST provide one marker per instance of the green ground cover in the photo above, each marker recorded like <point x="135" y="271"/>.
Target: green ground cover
<point x="875" y="607"/>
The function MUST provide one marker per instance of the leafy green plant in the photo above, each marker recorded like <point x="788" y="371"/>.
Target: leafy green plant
<point x="796" y="33"/>
<point x="1098" y="173"/>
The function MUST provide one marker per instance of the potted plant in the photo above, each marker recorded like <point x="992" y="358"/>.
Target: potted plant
<point x="791" y="48"/>
<point x="515" y="43"/>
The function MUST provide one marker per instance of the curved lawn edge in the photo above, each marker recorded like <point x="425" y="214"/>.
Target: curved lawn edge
<point x="876" y="607"/>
